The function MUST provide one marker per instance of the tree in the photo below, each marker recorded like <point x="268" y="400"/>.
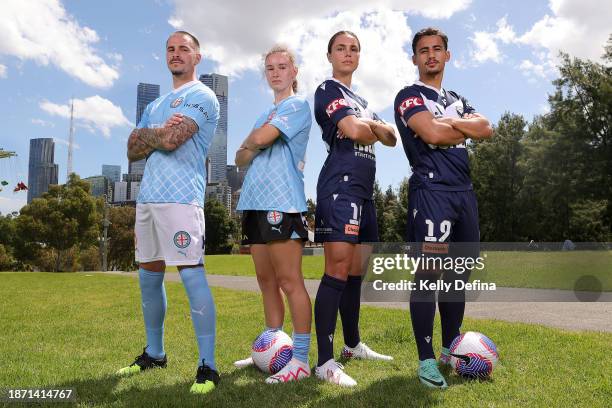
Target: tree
<point x="219" y="228"/>
<point x="497" y="177"/>
<point x="310" y="213"/>
<point x="121" y="238"/>
<point x="62" y="218"/>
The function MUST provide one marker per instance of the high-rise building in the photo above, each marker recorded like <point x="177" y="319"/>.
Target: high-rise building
<point x="111" y="172"/>
<point x="220" y="192"/>
<point x="120" y="191"/>
<point x="100" y="186"/>
<point x="42" y="170"/>
<point x="134" y="189"/>
<point x="146" y="94"/>
<point x="217" y="154"/>
<point x="235" y="176"/>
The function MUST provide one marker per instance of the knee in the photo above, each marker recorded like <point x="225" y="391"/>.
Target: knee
<point x="267" y="281"/>
<point x="288" y="285"/>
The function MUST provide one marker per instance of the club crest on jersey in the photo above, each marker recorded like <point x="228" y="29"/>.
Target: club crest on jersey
<point x="274" y="217"/>
<point x="182" y="239"/>
<point x="176" y="102"/>
<point x="409" y="103"/>
<point x="335" y="105"/>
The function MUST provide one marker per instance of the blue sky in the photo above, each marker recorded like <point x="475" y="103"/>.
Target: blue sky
<point x="503" y="59"/>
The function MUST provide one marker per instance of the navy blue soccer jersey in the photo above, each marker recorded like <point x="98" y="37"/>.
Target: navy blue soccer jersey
<point x="350" y="168"/>
<point x="434" y="167"/>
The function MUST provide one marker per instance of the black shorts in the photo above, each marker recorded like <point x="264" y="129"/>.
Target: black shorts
<point x="261" y="227"/>
<point x="345" y="218"/>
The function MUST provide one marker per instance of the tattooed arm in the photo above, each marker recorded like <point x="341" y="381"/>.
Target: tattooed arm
<point x="168" y="138"/>
<point x="136" y="148"/>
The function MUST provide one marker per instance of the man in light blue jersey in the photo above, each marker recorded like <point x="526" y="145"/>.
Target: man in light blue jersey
<point x="174" y="135"/>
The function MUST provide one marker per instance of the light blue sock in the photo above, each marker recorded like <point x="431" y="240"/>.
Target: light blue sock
<point x="202" y="312"/>
<point x="154" y="305"/>
<point x="301" y="346"/>
<point x="266" y="328"/>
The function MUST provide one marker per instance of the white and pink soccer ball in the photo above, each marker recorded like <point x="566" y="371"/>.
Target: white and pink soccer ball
<point x="272" y="350"/>
<point x="473" y="355"/>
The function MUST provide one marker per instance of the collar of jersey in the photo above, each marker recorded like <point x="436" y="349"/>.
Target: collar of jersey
<point x="187" y="85"/>
<point x="440" y="91"/>
<point x="335" y="80"/>
<point x="286" y="99"/>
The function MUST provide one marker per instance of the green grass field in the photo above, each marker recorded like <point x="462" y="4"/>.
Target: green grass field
<point x="553" y="270"/>
<point x="75" y="330"/>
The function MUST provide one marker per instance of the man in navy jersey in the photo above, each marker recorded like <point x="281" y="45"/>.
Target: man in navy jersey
<point x="434" y="125"/>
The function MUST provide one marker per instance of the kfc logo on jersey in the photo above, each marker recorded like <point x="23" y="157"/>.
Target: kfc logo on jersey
<point x="409" y="103"/>
<point x="335" y="105"/>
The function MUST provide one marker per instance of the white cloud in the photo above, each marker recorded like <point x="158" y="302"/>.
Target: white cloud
<point x="484" y="45"/>
<point x="3" y="71"/>
<point x="306" y="26"/>
<point x="65" y="142"/>
<point x="91" y="113"/>
<point x="578" y="27"/>
<point x="42" y="123"/>
<point x="535" y="72"/>
<point x="42" y="31"/>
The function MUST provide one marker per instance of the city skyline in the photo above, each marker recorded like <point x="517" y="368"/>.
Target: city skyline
<point x="503" y="58"/>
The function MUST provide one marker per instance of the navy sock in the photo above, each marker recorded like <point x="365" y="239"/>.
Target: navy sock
<point x="422" y="313"/>
<point x="154" y="306"/>
<point x="202" y="312"/>
<point x="350" y="303"/>
<point x="452" y="307"/>
<point x="325" y="314"/>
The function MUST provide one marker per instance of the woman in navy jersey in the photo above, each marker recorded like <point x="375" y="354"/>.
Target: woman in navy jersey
<point x="345" y="215"/>
<point x="272" y="201"/>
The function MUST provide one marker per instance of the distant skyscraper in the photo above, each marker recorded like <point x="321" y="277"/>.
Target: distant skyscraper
<point x="146" y="93"/>
<point x="218" y="149"/>
<point x="100" y="186"/>
<point x="111" y="172"/>
<point x="120" y="191"/>
<point x="42" y="170"/>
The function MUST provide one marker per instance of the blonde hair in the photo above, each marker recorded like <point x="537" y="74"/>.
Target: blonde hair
<point x="283" y="49"/>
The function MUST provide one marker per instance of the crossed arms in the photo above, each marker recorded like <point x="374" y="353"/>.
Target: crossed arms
<point x="176" y="131"/>
<point x="450" y="131"/>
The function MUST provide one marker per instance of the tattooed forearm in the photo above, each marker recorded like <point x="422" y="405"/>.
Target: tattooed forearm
<point x="168" y="138"/>
<point x="136" y="148"/>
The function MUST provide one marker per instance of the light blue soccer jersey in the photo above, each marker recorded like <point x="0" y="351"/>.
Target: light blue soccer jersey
<point x="179" y="176"/>
<point x="275" y="180"/>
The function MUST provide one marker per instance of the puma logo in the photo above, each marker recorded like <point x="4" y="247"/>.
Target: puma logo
<point x="428" y="339"/>
<point x="276" y="229"/>
<point x="331" y="337"/>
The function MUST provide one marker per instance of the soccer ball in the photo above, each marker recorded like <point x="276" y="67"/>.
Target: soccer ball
<point x="473" y="355"/>
<point x="272" y="350"/>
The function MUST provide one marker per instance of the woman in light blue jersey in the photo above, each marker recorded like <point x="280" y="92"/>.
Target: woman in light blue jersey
<point x="273" y="203"/>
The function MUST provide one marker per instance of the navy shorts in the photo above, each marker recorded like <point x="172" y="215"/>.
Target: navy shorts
<point x="345" y="218"/>
<point x="436" y="218"/>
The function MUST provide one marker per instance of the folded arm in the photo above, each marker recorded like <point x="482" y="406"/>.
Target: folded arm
<point x="256" y="141"/>
<point x="434" y="131"/>
<point x="472" y="125"/>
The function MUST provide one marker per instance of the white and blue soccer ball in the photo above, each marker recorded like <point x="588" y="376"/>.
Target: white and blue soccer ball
<point x="473" y="355"/>
<point x="272" y="350"/>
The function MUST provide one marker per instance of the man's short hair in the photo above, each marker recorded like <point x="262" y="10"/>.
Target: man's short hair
<point x="193" y="38"/>
<point x="429" y="31"/>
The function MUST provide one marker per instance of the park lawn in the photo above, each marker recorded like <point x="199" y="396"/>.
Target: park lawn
<point x="553" y="270"/>
<point x="75" y="330"/>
